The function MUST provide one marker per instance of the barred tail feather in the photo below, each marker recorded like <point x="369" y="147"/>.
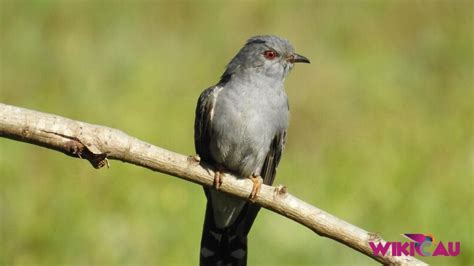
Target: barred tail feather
<point x="222" y="246"/>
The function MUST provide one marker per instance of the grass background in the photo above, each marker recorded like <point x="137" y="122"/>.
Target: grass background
<point x="381" y="130"/>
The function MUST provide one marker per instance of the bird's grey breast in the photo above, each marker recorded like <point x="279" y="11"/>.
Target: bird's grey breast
<point x="246" y="118"/>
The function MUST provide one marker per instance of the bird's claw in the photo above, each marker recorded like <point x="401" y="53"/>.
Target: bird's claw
<point x="217" y="179"/>
<point x="257" y="185"/>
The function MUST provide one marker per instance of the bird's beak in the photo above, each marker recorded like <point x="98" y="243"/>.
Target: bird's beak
<point x="300" y="59"/>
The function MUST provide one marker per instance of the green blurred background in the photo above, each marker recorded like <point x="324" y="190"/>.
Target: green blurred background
<point x="381" y="130"/>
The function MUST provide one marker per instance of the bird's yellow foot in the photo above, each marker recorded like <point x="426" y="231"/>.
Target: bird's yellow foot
<point x="257" y="184"/>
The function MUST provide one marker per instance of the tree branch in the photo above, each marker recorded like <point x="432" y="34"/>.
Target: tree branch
<point x="97" y="144"/>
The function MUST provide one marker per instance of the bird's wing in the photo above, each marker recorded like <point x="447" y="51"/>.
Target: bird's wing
<point x="202" y="123"/>
<point x="273" y="158"/>
<point x="268" y="174"/>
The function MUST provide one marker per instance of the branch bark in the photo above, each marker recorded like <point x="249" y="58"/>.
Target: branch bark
<point x="97" y="144"/>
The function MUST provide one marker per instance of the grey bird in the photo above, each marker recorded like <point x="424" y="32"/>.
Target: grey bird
<point x="240" y="127"/>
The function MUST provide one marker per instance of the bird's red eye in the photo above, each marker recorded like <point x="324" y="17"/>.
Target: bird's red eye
<point x="270" y="54"/>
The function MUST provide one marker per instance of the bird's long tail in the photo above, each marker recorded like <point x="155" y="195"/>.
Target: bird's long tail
<point x="226" y="246"/>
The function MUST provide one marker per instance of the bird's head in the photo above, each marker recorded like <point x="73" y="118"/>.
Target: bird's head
<point x="266" y="54"/>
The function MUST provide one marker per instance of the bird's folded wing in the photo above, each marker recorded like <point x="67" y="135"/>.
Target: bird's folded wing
<point x="202" y="124"/>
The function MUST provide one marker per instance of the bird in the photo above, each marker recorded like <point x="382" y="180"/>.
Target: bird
<point x="241" y="127"/>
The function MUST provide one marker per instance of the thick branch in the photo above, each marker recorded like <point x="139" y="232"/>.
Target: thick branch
<point x="97" y="143"/>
